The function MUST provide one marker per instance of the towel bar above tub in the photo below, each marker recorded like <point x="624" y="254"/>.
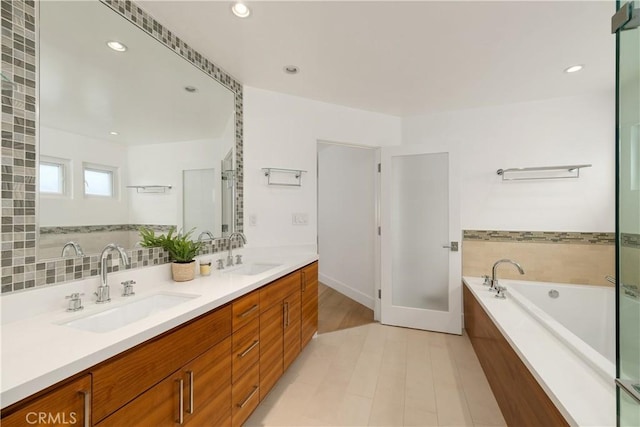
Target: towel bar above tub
<point x="542" y="172"/>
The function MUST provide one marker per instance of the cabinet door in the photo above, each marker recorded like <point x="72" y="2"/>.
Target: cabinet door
<point x="207" y="387"/>
<point x="291" y="328"/>
<point x="309" y="289"/>
<point x="159" y="406"/>
<point x="271" y="347"/>
<point x="67" y="405"/>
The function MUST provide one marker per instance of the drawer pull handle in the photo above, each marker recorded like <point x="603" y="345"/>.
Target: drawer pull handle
<point x="180" y="401"/>
<point x="248" y="398"/>
<point x="87" y="407"/>
<point x="246" y="313"/>
<point x="191" y="408"/>
<point x="251" y="347"/>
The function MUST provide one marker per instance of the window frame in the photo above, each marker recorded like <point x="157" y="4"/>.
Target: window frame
<point x="64" y="175"/>
<point x="95" y="167"/>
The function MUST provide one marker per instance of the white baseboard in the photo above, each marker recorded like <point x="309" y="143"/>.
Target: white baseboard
<point x="354" y="294"/>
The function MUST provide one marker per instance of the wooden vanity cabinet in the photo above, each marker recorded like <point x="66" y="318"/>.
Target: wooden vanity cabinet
<point x="211" y="371"/>
<point x="309" y="295"/>
<point x="66" y="405"/>
<point x="124" y="377"/>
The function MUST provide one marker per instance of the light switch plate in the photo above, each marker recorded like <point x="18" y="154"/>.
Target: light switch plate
<point x="300" y="219"/>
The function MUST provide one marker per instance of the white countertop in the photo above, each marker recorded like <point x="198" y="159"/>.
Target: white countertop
<point x="581" y="394"/>
<point x="37" y="351"/>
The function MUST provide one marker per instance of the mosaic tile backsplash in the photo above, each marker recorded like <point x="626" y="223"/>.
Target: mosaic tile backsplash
<point x="19" y="268"/>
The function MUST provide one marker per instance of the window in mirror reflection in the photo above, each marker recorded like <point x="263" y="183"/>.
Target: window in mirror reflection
<point x="98" y="181"/>
<point x="53" y="173"/>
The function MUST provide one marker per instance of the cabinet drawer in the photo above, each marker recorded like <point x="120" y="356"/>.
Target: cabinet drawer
<point x="245" y="396"/>
<point x="275" y="292"/>
<point x="66" y="405"/>
<point x="246" y="309"/>
<point x="246" y="348"/>
<point x="122" y="378"/>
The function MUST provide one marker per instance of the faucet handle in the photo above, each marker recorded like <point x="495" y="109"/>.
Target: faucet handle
<point x="238" y="259"/>
<point x="128" y="288"/>
<point x="220" y="264"/>
<point x="75" y="303"/>
<point x="487" y="280"/>
<point x="500" y="294"/>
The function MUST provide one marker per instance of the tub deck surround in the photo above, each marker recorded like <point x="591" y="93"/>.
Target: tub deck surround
<point x="38" y="352"/>
<point x="582" y="395"/>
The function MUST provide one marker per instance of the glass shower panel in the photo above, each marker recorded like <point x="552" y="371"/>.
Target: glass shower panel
<point x="420" y="228"/>
<point x="629" y="224"/>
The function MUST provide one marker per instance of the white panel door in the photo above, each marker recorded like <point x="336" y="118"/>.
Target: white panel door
<point x="420" y="217"/>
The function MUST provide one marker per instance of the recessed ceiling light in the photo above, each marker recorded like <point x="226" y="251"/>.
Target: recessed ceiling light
<point x="241" y="10"/>
<point x="191" y="89"/>
<point x="114" y="133"/>
<point x="291" y="69"/>
<point x="117" y="46"/>
<point x="574" y="68"/>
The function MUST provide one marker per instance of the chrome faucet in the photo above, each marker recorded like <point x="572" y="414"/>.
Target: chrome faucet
<point x="230" y="238"/>
<point x="103" y="289"/>
<point x="205" y="233"/>
<point x="494" y="279"/>
<point x="76" y="247"/>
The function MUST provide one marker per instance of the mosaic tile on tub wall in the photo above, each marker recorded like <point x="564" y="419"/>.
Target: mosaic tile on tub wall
<point x="540" y="237"/>
<point x="19" y="147"/>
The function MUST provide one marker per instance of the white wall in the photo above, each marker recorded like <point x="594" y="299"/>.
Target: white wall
<point x="545" y="133"/>
<point x="77" y="209"/>
<point x="347" y="220"/>
<point x="282" y="131"/>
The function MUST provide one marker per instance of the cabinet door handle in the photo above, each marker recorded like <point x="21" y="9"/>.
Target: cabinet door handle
<point x="286" y="314"/>
<point x="246" y="313"/>
<point x="180" y="401"/>
<point x="251" y="347"/>
<point x="304" y="281"/>
<point x="87" y="407"/>
<point x="191" y="408"/>
<point x="248" y="398"/>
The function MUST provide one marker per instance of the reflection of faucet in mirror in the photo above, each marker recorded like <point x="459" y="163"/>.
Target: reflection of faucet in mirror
<point x="230" y="238"/>
<point x="203" y="234"/>
<point x="103" y="289"/>
<point x="76" y="247"/>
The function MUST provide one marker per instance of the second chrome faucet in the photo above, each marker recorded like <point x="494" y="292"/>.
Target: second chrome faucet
<point x="103" y="290"/>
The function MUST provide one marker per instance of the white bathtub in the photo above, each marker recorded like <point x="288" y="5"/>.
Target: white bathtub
<point x="582" y="316"/>
<point x="578" y="378"/>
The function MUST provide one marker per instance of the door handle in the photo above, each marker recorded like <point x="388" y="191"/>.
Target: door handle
<point x="453" y="246"/>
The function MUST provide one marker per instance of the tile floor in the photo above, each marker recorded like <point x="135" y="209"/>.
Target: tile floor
<point x="383" y="376"/>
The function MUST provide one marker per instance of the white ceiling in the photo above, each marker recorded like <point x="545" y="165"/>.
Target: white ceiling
<point x="405" y="58"/>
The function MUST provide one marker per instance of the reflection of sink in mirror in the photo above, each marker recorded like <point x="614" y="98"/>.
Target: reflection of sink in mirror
<point x="127" y="313"/>
<point x="252" y="269"/>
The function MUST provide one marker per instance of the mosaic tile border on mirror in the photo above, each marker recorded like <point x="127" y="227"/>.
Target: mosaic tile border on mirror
<point x="19" y="269"/>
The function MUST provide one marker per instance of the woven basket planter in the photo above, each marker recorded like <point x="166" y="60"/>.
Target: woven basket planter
<point x="183" y="272"/>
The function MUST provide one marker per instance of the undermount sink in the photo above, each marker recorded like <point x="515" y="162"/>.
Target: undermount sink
<point x="117" y="317"/>
<point x="252" y="269"/>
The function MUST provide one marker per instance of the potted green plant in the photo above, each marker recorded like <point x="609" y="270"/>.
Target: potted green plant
<point x="181" y="248"/>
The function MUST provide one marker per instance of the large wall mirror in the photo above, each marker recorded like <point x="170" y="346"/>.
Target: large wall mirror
<point x="135" y="136"/>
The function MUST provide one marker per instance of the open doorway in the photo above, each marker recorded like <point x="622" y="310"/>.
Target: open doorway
<point x="348" y="243"/>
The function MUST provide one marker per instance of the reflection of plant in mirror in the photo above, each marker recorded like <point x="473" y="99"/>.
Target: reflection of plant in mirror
<point x="180" y="247"/>
<point x="148" y="238"/>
